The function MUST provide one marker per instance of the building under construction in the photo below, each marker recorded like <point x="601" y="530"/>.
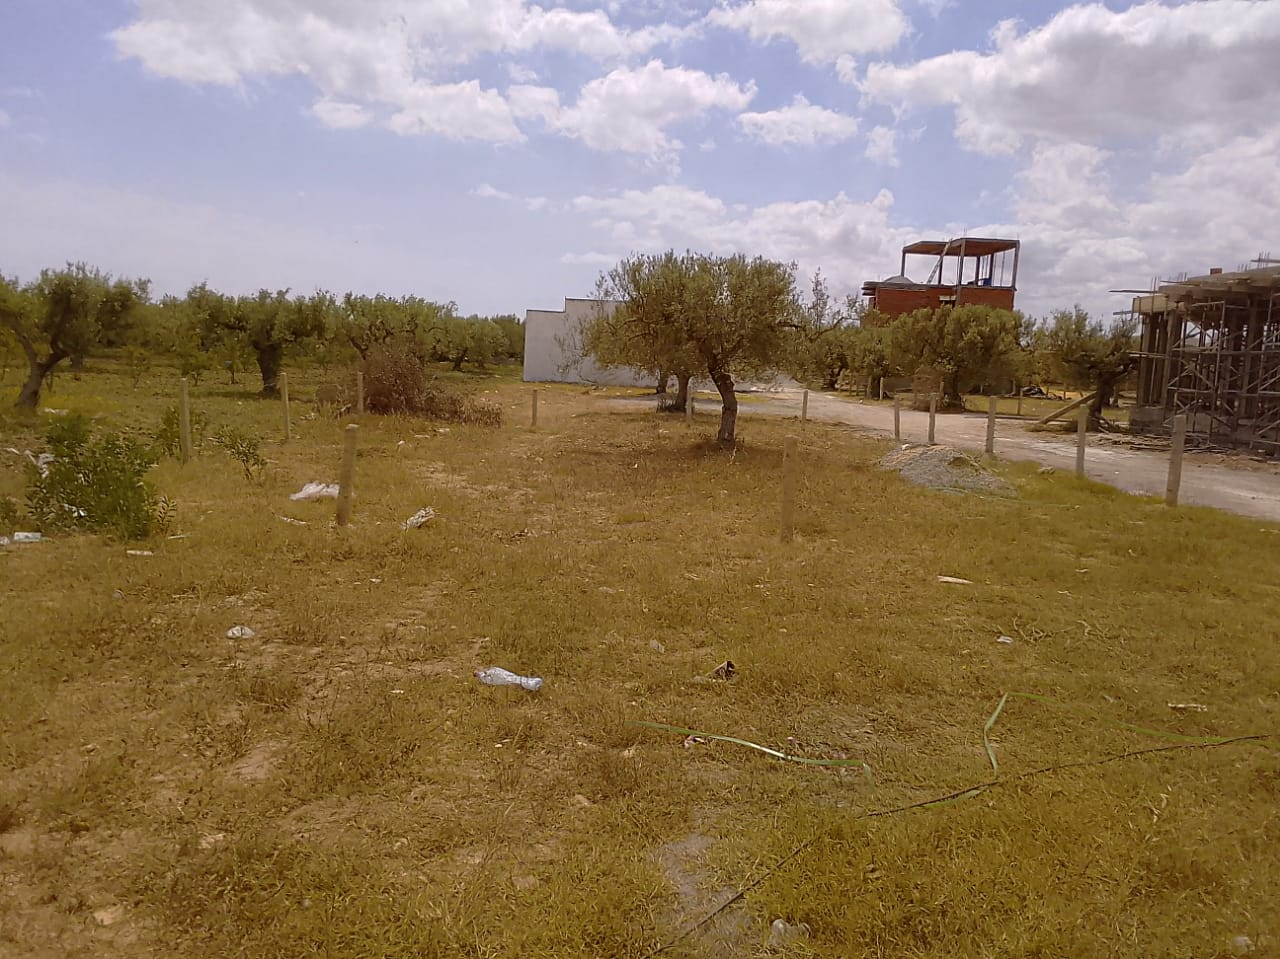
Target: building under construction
<point x="966" y="270"/>
<point x="1210" y="350"/>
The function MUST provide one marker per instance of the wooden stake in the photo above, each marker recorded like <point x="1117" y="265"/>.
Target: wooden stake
<point x="1018" y="387"/>
<point x="897" y="418"/>
<point x="284" y="396"/>
<point x="789" y="447"/>
<point x="1061" y="412"/>
<point x="1082" y="440"/>
<point x="533" y="419"/>
<point x="991" y="426"/>
<point x="359" y="393"/>
<point x="882" y="389"/>
<point x="1175" y="460"/>
<point x="347" y="475"/>
<point x="804" y="408"/>
<point x="933" y="415"/>
<point x="184" y="424"/>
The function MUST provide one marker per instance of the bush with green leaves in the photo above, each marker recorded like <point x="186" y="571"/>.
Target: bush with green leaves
<point x="242" y="448"/>
<point x="95" y="482"/>
<point x="167" y="437"/>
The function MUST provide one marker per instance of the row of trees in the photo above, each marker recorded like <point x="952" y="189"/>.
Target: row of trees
<point x="973" y="346"/>
<point x="731" y="318"/>
<point x="69" y="314"/>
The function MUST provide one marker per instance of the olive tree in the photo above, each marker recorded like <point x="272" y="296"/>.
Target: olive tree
<point x="966" y="344"/>
<point x="1090" y="354"/>
<point x="267" y="323"/>
<point x="642" y="333"/>
<point x="65" y="313"/>
<point x="732" y="316"/>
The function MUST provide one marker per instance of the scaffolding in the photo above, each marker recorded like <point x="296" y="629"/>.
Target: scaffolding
<point x="1210" y="351"/>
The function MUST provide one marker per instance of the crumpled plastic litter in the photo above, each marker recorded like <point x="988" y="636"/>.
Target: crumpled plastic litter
<point x="27" y="537"/>
<point x="782" y="933"/>
<point x="420" y="518"/>
<point x="316" y="491"/>
<point x="497" y="676"/>
<point x="240" y="632"/>
<point x="40" y="462"/>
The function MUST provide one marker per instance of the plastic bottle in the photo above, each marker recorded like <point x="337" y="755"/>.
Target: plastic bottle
<point x="497" y="676"/>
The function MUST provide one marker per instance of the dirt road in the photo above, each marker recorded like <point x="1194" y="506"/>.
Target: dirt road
<point x="1249" y="492"/>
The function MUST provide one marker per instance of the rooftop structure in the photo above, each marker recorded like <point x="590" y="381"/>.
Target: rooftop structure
<point x="962" y="271"/>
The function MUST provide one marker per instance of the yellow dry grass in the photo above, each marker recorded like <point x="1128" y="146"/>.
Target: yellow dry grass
<point x="341" y="785"/>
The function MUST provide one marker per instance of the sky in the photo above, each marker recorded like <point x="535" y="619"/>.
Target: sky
<point x="501" y="153"/>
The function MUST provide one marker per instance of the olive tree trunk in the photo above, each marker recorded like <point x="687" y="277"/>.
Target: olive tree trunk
<point x="728" y="408"/>
<point x="270" y="359"/>
<point x="38" y="370"/>
<point x="682" y="391"/>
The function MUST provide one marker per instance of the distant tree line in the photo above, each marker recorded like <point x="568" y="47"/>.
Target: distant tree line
<point x="734" y="318"/>
<point x="75" y="312"/>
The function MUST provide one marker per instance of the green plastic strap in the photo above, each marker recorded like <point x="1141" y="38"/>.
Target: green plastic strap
<point x="986" y="734"/>
<point x="776" y="754"/>
<point x="1119" y="724"/>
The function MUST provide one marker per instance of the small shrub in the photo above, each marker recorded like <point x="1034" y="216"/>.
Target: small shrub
<point x="243" y="449"/>
<point x="397" y="381"/>
<point x="138" y="362"/>
<point x="167" y="437"/>
<point x="193" y="364"/>
<point x="10" y="514"/>
<point x="95" y="483"/>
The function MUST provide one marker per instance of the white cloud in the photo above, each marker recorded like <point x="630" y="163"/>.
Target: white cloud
<point x="339" y="115"/>
<point x="591" y="259"/>
<point x="489" y="192"/>
<point x="851" y="240"/>
<point x="4" y="119"/>
<point x="1204" y="69"/>
<point x="847" y="69"/>
<point x="630" y="109"/>
<point x="458" y="111"/>
<point x="529" y="101"/>
<point x="823" y="30"/>
<point x="396" y="54"/>
<point x="882" y="146"/>
<point x="521" y="74"/>
<point x="535" y="203"/>
<point x="800" y="123"/>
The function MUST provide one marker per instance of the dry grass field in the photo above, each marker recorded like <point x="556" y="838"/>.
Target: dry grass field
<point x="341" y="785"/>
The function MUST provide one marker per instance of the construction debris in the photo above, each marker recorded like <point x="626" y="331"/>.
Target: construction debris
<point x="941" y="467"/>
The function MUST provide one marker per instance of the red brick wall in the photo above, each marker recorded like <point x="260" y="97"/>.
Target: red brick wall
<point x="894" y="302"/>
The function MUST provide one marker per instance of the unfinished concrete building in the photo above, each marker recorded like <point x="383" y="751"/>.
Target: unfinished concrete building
<point x="965" y="270"/>
<point x="1210" y="350"/>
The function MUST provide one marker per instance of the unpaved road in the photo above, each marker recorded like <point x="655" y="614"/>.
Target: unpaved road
<point x="1238" y="489"/>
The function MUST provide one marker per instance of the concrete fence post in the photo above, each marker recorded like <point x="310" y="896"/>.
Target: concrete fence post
<point x="347" y="475"/>
<point x="789" y="465"/>
<point x="184" y="424"/>
<point x="1082" y="439"/>
<point x="284" y="397"/>
<point x="1176" y="450"/>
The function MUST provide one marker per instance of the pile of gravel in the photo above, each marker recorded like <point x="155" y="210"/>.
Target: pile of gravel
<point x="941" y="467"/>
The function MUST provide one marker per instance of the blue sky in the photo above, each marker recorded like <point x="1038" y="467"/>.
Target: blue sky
<point x="500" y="153"/>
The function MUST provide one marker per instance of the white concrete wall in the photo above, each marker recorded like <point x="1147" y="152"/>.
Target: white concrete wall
<point x="546" y="360"/>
